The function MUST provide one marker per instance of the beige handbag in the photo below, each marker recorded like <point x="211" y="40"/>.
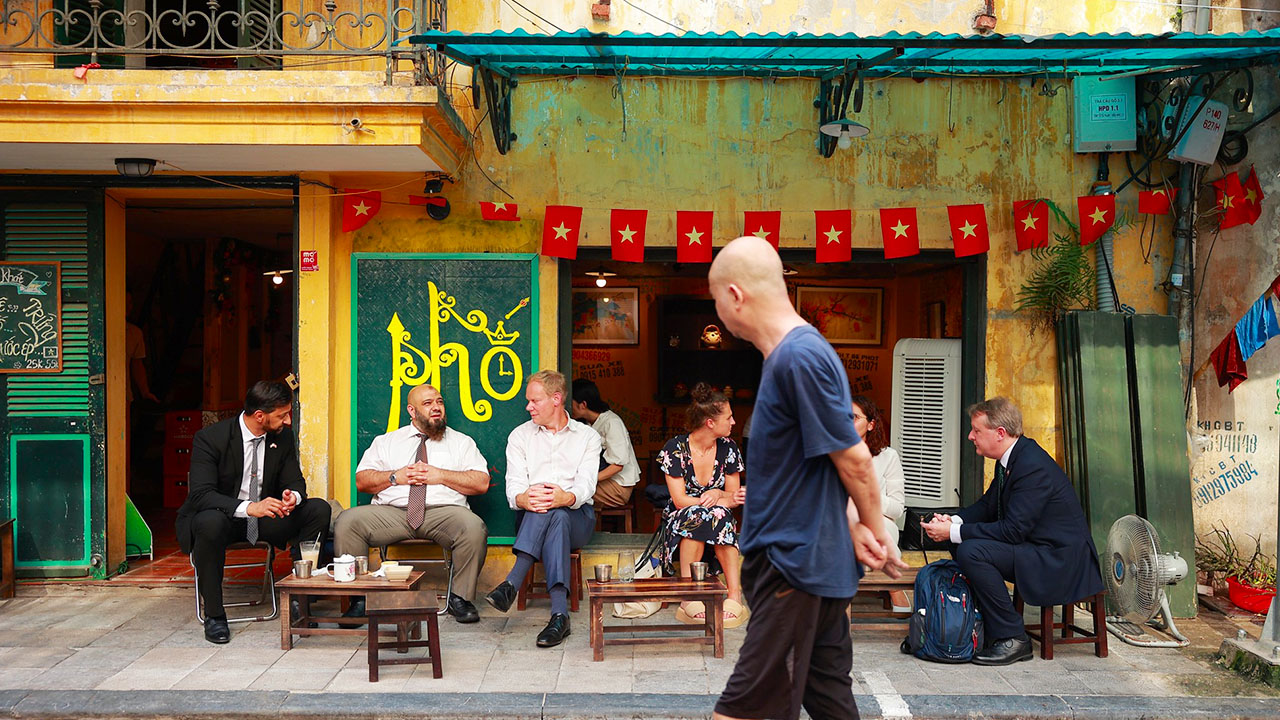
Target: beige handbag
<point x="635" y="609"/>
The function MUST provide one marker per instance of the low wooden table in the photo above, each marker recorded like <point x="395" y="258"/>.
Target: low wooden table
<point x="710" y="592"/>
<point x="876" y="581"/>
<point x="326" y="586"/>
<point x="403" y="609"/>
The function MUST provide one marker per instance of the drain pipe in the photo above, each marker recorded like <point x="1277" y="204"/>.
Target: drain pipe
<point x="1182" y="237"/>
<point x="1104" y="261"/>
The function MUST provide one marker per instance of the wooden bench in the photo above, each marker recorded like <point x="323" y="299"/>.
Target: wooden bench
<point x="881" y="618"/>
<point x="710" y="592"/>
<point x="8" y="582"/>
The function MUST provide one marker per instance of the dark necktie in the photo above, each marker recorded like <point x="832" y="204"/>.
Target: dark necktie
<point x="251" y="532"/>
<point x="999" y="490"/>
<point x="418" y="493"/>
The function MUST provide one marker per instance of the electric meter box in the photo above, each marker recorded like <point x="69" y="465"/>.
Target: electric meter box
<point x="1200" y="142"/>
<point x="1106" y="116"/>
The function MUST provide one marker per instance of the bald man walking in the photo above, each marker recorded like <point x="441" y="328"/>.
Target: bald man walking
<point x="798" y="543"/>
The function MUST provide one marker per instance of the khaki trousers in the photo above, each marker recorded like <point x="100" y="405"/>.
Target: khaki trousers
<point x="610" y="494"/>
<point x="450" y="526"/>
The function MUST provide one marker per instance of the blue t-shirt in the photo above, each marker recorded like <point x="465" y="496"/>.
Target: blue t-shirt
<point x="795" y="509"/>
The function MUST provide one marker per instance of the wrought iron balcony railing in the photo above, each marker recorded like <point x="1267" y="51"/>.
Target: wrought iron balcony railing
<point x="223" y="33"/>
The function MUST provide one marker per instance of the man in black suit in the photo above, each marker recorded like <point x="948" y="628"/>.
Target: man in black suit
<point x="245" y="484"/>
<point x="1028" y="529"/>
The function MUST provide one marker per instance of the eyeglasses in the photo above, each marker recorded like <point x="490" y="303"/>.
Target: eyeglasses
<point x="856" y="416"/>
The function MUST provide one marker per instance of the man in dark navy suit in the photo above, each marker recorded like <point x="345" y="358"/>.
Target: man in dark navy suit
<point x="1028" y="529"/>
<point x="245" y="484"/>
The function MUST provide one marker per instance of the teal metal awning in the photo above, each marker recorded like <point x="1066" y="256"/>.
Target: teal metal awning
<point x="839" y="62"/>
<point x="519" y="53"/>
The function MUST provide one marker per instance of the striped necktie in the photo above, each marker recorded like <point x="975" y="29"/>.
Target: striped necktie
<point x="251" y="532"/>
<point x="418" y="493"/>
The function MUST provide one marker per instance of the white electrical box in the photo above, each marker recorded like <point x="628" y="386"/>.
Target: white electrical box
<point x="1106" y="116"/>
<point x="1200" y="142"/>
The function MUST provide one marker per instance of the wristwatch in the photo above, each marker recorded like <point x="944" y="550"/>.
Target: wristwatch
<point x="393" y="478"/>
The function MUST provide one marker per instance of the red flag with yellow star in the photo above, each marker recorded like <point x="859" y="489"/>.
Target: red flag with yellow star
<point x="1253" y="196"/>
<point x="833" y="231"/>
<point x="968" y="229"/>
<point x="358" y="207"/>
<point x="626" y="234"/>
<point x="1156" y="202"/>
<point x="1031" y="224"/>
<point x="900" y="232"/>
<point x="766" y="224"/>
<point x="499" y="211"/>
<point x="1097" y="215"/>
<point x="693" y="236"/>
<point x="560" y="227"/>
<point x="1231" y="201"/>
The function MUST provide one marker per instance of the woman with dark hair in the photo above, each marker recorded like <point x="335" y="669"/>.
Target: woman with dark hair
<point x="874" y="431"/>
<point x="702" y="468"/>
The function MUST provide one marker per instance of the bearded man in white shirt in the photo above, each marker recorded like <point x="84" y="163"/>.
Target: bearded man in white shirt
<point x="552" y="463"/>
<point x="420" y="476"/>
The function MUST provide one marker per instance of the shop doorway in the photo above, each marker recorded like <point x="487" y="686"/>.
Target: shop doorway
<point x="650" y="333"/>
<point x="207" y="316"/>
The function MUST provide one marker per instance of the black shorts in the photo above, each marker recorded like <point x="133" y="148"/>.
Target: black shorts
<point x="797" y="652"/>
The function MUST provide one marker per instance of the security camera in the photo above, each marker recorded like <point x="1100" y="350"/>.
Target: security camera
<point x="355" y="123"/>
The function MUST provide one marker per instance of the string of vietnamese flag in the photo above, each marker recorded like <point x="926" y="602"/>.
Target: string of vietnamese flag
<point x="1238" y="202"/>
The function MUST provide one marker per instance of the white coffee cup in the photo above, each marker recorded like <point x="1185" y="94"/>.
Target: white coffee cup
<point x="342" y="569"/>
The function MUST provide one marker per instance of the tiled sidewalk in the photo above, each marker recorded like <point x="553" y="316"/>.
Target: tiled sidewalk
<point x="77" y="637"/>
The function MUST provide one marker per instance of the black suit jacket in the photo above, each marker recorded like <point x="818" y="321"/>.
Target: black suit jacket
<point x="217" y="470"/>
<point x="1054" y="559"/>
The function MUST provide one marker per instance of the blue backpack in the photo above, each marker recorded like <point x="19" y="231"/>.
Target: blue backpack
<point x="945" y="624"/>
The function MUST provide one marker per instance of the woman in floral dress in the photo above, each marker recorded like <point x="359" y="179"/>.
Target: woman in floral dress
<point x="702" y="469"/>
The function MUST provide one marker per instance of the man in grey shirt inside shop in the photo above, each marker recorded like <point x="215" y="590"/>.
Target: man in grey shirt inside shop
<point x="619" y="471"/>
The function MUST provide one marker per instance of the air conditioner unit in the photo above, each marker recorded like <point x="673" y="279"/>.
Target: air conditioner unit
<point x="926" y="419"/>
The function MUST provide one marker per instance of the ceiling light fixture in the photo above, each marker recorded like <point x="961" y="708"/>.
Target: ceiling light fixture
<point x="277" y="276"/>
<point x="600" y="274"/>
<point x="135" y="167"/>
<point x="844" y="130"/>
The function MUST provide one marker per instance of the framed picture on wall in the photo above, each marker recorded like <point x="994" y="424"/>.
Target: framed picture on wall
<point x="606" y="316"/>
<point x="844" y="315"/>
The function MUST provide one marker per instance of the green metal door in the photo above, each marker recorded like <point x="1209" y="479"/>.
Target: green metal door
<point x="52" y="427"/>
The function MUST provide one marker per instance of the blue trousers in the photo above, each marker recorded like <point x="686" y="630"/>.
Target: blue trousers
<point x="549" y="537"/>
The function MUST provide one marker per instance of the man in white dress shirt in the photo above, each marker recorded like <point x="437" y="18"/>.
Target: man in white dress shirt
<point x="552" y="462"/>
<point x="420" y="476"/>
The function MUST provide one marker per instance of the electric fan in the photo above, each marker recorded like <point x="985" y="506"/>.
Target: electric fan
<point x="1136" y="575"/>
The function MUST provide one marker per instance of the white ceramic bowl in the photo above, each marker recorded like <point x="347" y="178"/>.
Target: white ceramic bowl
<point x="397" y="573"/>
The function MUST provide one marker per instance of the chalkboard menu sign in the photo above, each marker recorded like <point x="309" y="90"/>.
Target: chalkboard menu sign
<point x="30" y="317"/>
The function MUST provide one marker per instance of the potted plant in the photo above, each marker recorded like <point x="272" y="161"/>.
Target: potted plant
<point x="1249" y="584"/>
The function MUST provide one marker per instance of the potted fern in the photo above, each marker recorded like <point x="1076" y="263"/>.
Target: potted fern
<point x="1064" y="278"/>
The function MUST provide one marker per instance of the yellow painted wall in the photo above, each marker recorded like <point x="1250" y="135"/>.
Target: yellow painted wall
<point x="734" y="145"/>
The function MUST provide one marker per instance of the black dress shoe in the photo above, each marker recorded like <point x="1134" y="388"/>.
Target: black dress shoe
<point x="555" y="632"/>
<point x="355" y="610"/>
<point x="502" y="596"/>
<point x="216" y="630"/>
<point x="462" y="610"/>
<point x="295" y="611"/>
<point x="1004" y="652"/>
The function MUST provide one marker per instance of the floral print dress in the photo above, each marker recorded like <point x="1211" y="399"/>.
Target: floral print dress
<point x="713" y="525"/>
